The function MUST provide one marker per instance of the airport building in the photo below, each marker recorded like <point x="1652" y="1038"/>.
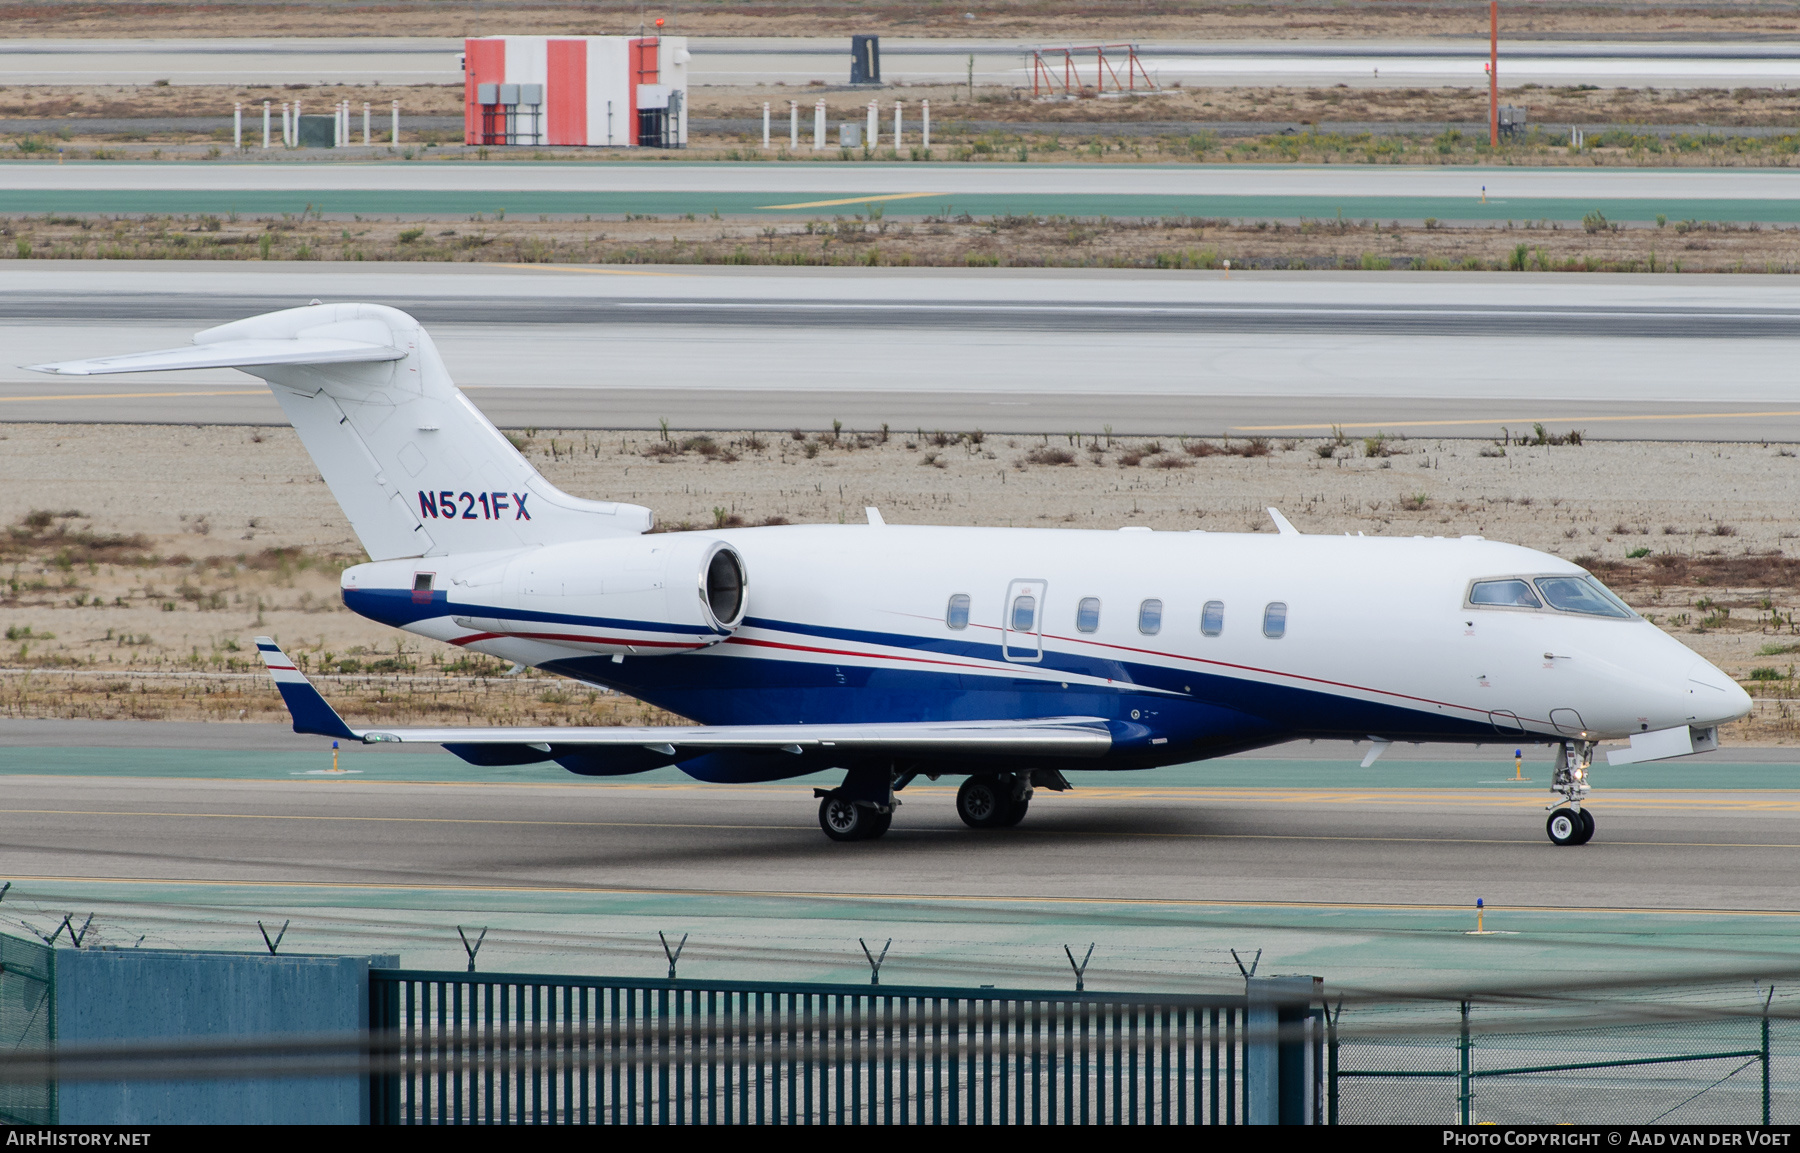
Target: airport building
<point x="597" y="91"/>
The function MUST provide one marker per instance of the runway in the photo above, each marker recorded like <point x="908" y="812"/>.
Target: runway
<point x="1358" y="874"/>
<point x="770" y="60"/>
<point x="1278" y="354"/>
<point x="809" y="190"/>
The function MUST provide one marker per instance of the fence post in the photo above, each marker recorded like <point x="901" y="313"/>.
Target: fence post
<point x="384" y="1037"/>
<point x="1462" y="1075"/>
<point x="1765" y="1052"/>
<point x="1275" y="1048"/>
<point x="1331" y="1026"/>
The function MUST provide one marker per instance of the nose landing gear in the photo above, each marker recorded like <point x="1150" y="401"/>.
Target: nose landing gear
<point x="1569" y="823"/>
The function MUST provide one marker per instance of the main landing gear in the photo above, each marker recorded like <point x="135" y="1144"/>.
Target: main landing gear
<point x="862" y="808"/>
<point x="846" y="820"/>
<point x="995" y="801"/>
<point x="1569" y="823"/>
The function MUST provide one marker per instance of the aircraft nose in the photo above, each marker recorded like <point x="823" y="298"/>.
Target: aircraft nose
<point x="1713" y="697"/>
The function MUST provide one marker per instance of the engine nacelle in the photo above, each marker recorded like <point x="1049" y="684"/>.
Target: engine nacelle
<point x="651" y="595"/>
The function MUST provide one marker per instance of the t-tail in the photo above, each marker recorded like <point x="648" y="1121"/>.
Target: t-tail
<point x="416" y="467"/>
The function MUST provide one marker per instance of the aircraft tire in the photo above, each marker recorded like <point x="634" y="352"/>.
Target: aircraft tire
<point x="1587" y="826"/>
<point x="845" y="820"/>
<point x="878" y="823"/>
<point x="1564" y="827"/>
<point x="1016" y="813"/>
<point x="984" y="803"/>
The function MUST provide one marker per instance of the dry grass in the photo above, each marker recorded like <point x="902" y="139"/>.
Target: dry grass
<point x="950" y="241"/>
<point x="1033" y="19"/>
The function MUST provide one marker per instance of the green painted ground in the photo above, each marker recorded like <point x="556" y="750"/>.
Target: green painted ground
<point x="1014" y="944"/>
<point x="383" y="765"/>
<point x="703" y="204"/>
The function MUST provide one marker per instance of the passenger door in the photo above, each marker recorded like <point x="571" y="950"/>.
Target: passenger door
<point x="1022" y="621"/>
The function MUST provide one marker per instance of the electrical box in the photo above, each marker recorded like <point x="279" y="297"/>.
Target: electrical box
<point x="600" y="91"/>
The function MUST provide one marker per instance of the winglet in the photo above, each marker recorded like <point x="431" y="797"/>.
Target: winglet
<point x="1282" y="524"/>
<point x="310" y="712"/>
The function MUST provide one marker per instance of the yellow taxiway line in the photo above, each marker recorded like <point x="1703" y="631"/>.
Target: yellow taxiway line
<point x="851" y="200"/>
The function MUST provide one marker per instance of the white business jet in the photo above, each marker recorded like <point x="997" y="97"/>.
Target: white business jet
<point x="1007" y="656"/>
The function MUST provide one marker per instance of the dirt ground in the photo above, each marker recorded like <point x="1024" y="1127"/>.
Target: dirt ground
<point x="141" y="559"/>
<point x="855" y="238"/>
<point x="1047" y="19"/>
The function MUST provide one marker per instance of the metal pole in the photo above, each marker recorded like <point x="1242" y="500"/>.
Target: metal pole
<point x="1493" y="73"/>
<point x="237" y="127"/>
<point x="1462" y="1076"/>
<point x="874" y="125"/>
<point x="394" y="138"/>
<point x="793" y="126"/>
<point x="296" y="124"/>
<point x="265" y="124"/>
<point x="1331" y="1026"/>
<point x="1765" y="1052"/>
<point x="366" y="124"/>
<point x="925" y="137"/>
<point x="765" y="126"/>
<point x="819" y="126"/>
<point x="897" y="105"/>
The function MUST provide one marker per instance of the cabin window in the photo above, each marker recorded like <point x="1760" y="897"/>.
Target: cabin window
<point x="1150" y="618"/>
<point x="1212" y="618"/>
<point x="1574" y="594"/>
<point x="1275" y="620"/>
<point x="1024" y="613"/>
<point x="957" y="615"/>
<point x="1511" y="593"/>
<point x="1087" y="614"/>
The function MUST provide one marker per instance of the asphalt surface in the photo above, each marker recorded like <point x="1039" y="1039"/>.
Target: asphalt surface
<point x="745" y="60"/>
<point x="820" y="189"/>
<point x="1399" y="848"/>
<point x="1013" y="351"/>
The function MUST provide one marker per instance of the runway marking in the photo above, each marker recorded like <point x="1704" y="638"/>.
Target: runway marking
<point x="852" y="200"/>
<point x="1504" y="420"/>
<point x="915" y="898"/>
<point x="589" y="271"/>
<point x="132" y="395"/>
<point x="1325" y="838"/>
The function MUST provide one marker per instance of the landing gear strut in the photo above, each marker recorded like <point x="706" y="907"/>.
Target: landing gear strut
<point x="1569" y="823"/>
<point x="994" y="801"/>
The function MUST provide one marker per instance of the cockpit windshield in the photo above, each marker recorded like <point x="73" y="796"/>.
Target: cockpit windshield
<point x="1570" y="594"/>
<point x="1516" y="593"/>
<point x="1582" y="594"/>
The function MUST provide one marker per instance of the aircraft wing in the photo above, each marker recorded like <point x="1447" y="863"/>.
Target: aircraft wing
<point x="1052" y="736"/>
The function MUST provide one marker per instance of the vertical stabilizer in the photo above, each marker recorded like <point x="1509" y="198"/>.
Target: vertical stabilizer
<point x="416" y="467"/>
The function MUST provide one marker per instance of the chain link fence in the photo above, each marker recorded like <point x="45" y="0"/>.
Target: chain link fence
<point x="1708" y="1054"/>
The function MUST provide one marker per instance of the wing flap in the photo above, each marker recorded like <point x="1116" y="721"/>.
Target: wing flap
<point x="1053" y="736"/>
<point x="229" y="354"/>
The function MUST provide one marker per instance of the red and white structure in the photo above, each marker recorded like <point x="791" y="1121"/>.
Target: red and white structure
<point x="1058" y="70"/>
<point x="617" y="91"/>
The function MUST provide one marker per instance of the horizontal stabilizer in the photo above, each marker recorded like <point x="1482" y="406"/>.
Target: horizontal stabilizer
<point x="1052" y="736"/>
<point x="230" y="354"/>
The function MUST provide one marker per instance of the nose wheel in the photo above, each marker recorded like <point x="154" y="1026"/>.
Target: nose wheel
<point x="1570" y="826"/>
<point x="1569" y="823"/>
